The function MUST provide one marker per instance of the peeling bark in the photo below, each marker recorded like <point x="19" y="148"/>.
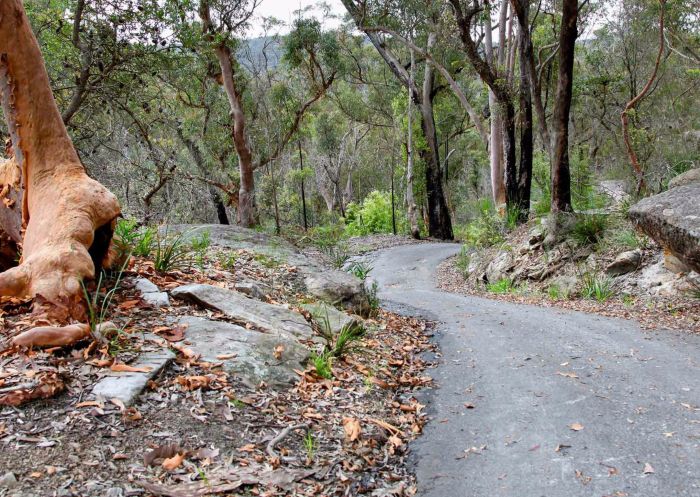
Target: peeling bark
<point x="68" y="217"/>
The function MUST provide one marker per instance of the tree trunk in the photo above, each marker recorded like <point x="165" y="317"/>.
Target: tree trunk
<point x="522" y="10"/>
<point x="410" y="199"/>
<point x="561" y="175"/>
<point x="69" y="217"/>
<point x="303" y="193"/>
<point x="439" y="222"/>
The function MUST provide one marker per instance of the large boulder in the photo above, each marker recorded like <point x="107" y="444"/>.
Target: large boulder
<point x="672" y="218"/>
<point x="262" y="316"/>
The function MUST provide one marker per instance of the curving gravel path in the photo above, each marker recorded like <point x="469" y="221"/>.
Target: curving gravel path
<point x="514" y="380"/>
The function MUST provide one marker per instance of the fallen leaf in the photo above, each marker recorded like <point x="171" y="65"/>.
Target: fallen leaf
<point x="648" y="469"/>
<point x="567" y="374"/>
<point x="125" y="368"/>
<point x="174" y="462"/>
<point x="469" y="405"/>
<point x="176" y="334"/>
<point x="352" y="428"/>
<point x="576" y="426"/>
<point x="161" y="452"/>
<point x="193" y="382"/>
<point x="278" y="352"/>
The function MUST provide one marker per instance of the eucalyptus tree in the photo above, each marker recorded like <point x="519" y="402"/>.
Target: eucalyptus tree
<point x="362" y="13"/>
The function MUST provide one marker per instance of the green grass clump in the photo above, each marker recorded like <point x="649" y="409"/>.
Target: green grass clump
<point x="360" y="270"/>
<point x="501" y="287"/>
<point x="132" y="239"/>
<point x="322" y="365"/>
<point x="462" y="261"/>
<point x="589" y="229"/>
<point x="596" y="287"/>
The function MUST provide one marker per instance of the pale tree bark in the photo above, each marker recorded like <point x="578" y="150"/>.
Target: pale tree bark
<point x="634" y="160"/>
<point x="68" y="217"/>
<point x="410" y="198"/>
<point x="561" y="175"/>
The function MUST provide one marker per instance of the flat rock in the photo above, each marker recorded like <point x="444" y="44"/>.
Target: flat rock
<point x="263" y="316"/>
<point x="672" y="219"/>
<point x="331" y="285"/>
<point x="336" y="319"/>
<point x="624" y="263"/>
<point x="8" y="480"/>
<point x="144" y="285"/>
<point x="128" y="386"/>
<point x="252" y="353"/>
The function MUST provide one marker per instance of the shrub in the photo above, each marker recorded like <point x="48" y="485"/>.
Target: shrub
<point x="485" y="230"/>
<point x="599" y="288"/>
<point x="337" y="254"/>
<point x="373" y="216"/>
<point x="373" y="298"/>
<point x="589" y="229"/>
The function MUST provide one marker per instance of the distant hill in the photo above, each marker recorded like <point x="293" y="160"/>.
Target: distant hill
<point x="253" y="51"/>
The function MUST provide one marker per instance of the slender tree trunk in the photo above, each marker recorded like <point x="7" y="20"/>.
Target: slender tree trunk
<point x="561" y="175"/>
<point x="522" y="9"/>
<point x="634" y="160"/>
<point x="410" y="199"/>
<point x="439" y="222"/>
<point x="303" y="193"/>
<point x="68" y="217"/>
<point x="278" y="228"/>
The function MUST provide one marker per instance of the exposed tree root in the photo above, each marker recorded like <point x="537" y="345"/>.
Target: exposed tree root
<point x="68" y="217"/>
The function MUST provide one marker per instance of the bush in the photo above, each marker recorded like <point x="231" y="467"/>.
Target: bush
<point x="132" y="239"/>
<point x="462" y="261"/>
<point x="484" y="231"/>
<point x="589" y="229"/>
<point x="360" y="270"/>
<point x="373" y="216"/>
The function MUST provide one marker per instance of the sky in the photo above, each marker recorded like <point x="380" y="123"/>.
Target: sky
<point x="284" y="10"/>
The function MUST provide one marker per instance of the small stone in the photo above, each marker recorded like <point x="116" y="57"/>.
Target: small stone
<point x="250" y="289"/>
<point x="686" y="178"/>
<point x="624" y="263"/>
<point x="156" y="299"/>
<point x="8" y="480"/>
<point x="145" y="285"/>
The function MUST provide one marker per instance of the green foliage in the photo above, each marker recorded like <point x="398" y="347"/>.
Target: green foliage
<point x="596" y="287"/>
<point x="373" y="298"/>
<point x="227" y="260"/>
<point x="132" y="239"/>
<point x="266" y="261"/>
<point x="172" y="252"/>
<point x="322" y="365"/>
<point x="462" y="260"/>
<point x="501" y="287"/>
<point x="99" y="302"/>
<point x="200" y="245"/>
<point x="338" y="255"/>
<point x="485" y="230"/>
<point x="310" y="446"/>
<point x="373" y="216"/>
<point x="359" y="269"/>
<point x="337" y="345"/>
<point x="589" y="229"/>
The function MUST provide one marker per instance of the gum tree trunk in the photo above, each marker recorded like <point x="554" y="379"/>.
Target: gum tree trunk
<point x="561" y="175"/>
<point x="68" y="217"/>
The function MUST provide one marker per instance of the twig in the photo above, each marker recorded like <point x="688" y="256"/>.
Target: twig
<point x="281" y="436"/>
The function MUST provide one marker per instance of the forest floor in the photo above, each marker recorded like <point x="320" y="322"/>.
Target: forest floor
<point x="199" y="431"/>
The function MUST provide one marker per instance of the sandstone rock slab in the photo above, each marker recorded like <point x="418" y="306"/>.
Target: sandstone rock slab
<point x="261" y="315"/>
<point x="672" y="219"/>
<point x="336" y="320"/>
<point x="624" y="263"/>
<point x="128" y="386"/>
<point x="252" y="355"/>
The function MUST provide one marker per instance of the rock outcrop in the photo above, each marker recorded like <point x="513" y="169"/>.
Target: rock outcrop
<point x="333" y="286"/>
<point x="672" y="219"/>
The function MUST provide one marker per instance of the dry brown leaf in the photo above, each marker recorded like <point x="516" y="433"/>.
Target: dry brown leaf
<point x="648" y="469"/>
<point x="174" y="462"/>
<point x="278" y="351"/>
<point x="567" y="374"/>
<point x="576" y="426"/>
<point x="125" y="368"/>
<point x="193" y="382"/>
<point x="352" y="428"/>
